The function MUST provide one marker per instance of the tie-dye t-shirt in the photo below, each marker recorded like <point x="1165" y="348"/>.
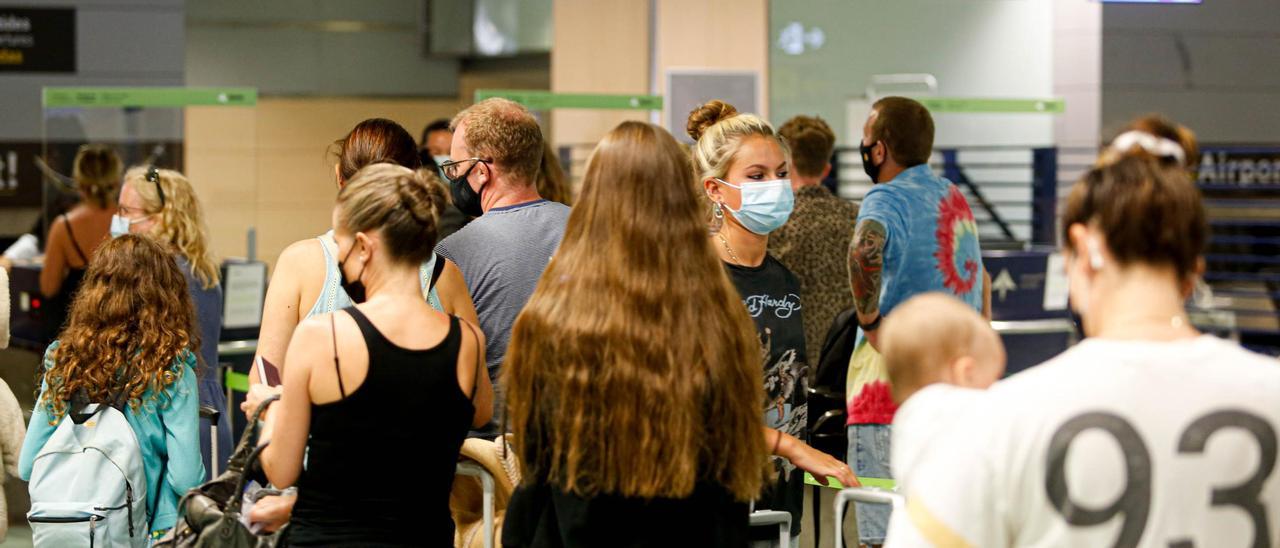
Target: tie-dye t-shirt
<point x="931" y="244"/>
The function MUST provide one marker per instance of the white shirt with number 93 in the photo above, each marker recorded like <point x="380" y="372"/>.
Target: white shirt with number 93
<point x="1112" y="443"/>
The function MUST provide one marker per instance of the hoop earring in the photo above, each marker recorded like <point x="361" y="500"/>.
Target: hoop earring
<point x="717" y="211"/>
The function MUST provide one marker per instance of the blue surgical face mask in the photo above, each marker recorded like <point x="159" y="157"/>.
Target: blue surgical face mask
<point x="766" y="205"/>
<point x="119" y="226"/>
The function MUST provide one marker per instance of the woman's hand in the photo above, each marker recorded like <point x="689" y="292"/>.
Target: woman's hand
<point x="257" y="394"/>
<point x="813" y="461"/>
<point x="822" y="465"/>
<point x="272" y="512"/>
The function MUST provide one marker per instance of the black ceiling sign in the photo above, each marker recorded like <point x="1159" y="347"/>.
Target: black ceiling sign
<point x="37" y="39"/>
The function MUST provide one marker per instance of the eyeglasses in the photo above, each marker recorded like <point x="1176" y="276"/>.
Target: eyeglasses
<point x="453" y="170"/>
<point x="153" y="175"/>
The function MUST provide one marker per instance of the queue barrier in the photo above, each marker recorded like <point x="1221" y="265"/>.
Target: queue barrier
<point x="780" y="518"/>
<point x="469" y="468"/>
<point x="869" y="495"/>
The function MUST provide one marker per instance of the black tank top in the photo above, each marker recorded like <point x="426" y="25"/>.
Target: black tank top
<point x="381" y="460"/>
<point x="59" y="307"/>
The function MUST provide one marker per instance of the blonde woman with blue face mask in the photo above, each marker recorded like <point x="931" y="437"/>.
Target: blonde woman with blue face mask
<point x="162" y="204"/>
<point x="744" y="167"/>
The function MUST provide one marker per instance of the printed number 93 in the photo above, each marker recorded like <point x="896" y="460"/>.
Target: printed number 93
<point x="1134" y="503"/>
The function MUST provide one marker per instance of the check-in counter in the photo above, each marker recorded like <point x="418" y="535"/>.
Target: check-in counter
<point x="32" y="322"/>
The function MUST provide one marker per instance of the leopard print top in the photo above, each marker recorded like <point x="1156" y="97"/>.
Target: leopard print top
<point x="814" y="244"/>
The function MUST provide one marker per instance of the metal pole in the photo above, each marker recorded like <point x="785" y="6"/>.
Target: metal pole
<point x="1044" y="195"/>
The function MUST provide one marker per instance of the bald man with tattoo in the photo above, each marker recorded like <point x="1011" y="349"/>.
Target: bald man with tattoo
<point x="915" y="234"/>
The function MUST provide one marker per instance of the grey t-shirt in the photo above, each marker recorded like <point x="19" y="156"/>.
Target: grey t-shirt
<point x="502" y="254"/>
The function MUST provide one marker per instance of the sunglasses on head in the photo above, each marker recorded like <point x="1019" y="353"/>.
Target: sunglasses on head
<point x="153" y="175"/>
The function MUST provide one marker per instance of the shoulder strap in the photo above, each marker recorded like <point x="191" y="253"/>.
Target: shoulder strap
<point x="436" y="270"/>
<point x="333" y="329"/>
<point x="327" y="300"/>
<point x="72" y="235"/>
<point x="80" y="407"/>
<point x="475" y="385"/>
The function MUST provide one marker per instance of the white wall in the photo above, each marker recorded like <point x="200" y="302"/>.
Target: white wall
<point x="1211" y="66"/>
<point x="1077" y="71"/>
<point x="975" y="48"/>
<point x="315" y="47"/>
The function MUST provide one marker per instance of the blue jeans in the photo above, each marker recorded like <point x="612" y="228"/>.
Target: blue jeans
<point x="869" y="457"/>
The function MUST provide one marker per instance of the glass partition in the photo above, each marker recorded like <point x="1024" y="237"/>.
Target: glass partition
<point x="148" y="126"/>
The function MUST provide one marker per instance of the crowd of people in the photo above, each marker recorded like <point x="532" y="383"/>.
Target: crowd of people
<point x="645" y="345"/>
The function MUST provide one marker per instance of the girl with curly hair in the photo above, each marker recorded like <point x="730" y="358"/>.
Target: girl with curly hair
<point x="130" y="332"/>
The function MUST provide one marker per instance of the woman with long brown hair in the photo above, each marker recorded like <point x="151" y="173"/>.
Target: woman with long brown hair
<point x="632" y="377"/>
<point x="131" y="332"/>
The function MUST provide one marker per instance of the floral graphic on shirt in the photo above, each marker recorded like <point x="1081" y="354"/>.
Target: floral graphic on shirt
<point x="955" y="226"/>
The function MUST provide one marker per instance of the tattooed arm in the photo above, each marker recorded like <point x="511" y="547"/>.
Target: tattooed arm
<point x="866" y="261"/>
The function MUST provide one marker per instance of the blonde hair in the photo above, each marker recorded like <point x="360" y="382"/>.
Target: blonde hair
<point x="504" y="132"/>
<point x="926" y="334"/>
<point x="96" y="172"/>
<point x="179" y="220"/>
<point x="719" y="130"/>
<point x="399" y="203"/>
<point x="635" y="328"/>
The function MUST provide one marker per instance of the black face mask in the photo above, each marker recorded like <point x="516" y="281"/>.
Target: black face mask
<point x="355" y="289"/>
<point x="464" y="198"/>
<point x="872" y="170"/>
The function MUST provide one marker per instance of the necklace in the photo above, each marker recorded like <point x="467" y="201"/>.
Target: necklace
<point x="728" y="249"/>
<point x="1144" y="327"/>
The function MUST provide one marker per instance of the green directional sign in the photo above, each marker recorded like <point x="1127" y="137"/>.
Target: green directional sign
<point x="163" y="97"/>
<point x="993" y="106"/>
<point x="546" y="100"/>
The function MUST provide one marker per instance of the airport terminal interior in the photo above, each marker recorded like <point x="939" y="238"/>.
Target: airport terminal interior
<point x="578" y="273"/>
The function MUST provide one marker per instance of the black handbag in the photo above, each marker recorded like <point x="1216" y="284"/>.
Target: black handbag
<point x="209" y="515"/>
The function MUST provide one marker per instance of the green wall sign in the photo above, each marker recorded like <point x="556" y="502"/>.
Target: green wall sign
<point x="164" y="97"/>
<point x="993" y="106"/>
<point x="546" y="100"/>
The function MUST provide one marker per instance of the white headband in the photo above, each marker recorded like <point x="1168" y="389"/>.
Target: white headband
<point x="1157" y="146"/>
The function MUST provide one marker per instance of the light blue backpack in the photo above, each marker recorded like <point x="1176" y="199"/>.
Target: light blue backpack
<point x="88" y="486"/>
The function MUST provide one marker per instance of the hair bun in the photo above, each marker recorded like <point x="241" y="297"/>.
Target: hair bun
<point x="707" y="115"/>
<point x="421" y="198"/>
